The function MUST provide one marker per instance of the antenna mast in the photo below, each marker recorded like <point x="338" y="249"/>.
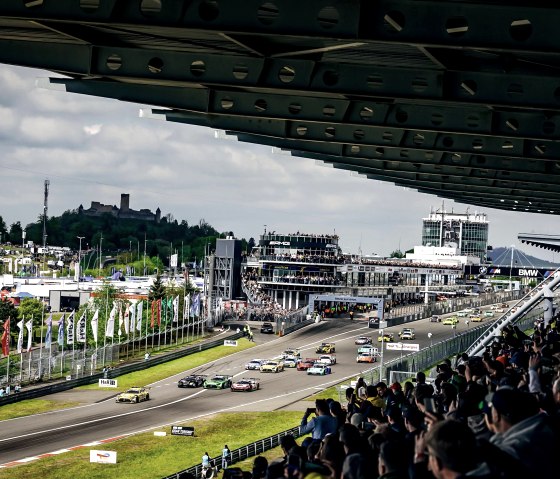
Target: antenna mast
<point x="45" y="209"/>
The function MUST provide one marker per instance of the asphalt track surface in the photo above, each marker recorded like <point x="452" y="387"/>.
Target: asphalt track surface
<point x="101" y="418"/>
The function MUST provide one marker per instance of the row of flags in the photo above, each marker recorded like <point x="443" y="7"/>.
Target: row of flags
<point x="129" y="320"/>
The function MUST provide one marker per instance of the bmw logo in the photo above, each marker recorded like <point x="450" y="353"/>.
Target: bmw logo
<point x="482" y="270"/>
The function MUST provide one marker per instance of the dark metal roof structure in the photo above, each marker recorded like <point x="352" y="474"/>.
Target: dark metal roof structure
<point x="458" y="99"/>
<point x="549" y="242"/>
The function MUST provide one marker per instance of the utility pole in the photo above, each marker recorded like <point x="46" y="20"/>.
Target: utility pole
<point x="100" y="252"/>
<point x="144" y="273"/>
<point x="79" y="268"/>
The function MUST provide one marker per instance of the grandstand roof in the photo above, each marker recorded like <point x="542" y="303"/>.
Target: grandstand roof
<point x="453" y="98"/>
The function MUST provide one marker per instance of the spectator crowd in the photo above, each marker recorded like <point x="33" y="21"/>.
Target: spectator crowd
<point x="490" y="416"/>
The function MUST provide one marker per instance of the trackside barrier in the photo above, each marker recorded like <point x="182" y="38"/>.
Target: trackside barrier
<point x="60" y="386"/>
<point x="239" y="454"/>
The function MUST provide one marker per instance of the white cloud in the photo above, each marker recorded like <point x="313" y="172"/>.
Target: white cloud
<point x="95" y="149"/>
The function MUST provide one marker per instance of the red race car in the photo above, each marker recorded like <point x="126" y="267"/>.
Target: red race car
<point x="306" y="363"/>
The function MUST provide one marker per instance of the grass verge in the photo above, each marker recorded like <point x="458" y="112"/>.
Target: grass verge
<point x="32" y="406"/>
<point x="139" y="378"/>
<point x="162" y="371"/>
<point x="145" y="456"/>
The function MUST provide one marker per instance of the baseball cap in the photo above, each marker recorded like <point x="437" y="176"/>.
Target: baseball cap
<point x="396" y="387"/>
<point x="512" y="403"/>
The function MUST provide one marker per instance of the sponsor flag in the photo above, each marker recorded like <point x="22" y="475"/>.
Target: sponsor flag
<point x="110" y="327"/>
<point x="81" y="329"/>
<point x="139" y="316"/>
<point x="153" y="316"/>
<point x="126" y="320"/>
<point x="61" y="323"/>
<point x="94" y="324"/>
<point x="48" y="337"/>
<point x="70" y="329"/>
<point x="20" y="336"/>
<point x="132" y="317"/>
<point x="121" y="319"/>
<point x="176" y="309"/>
<point x="29" y="327"/>
<point x="195" y="308"/>
<point x="6" y="338"/>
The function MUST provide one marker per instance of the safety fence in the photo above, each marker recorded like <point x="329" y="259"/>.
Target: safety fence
<point x="237" y="455"/>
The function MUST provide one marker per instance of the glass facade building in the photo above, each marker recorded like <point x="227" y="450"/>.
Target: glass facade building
<point x="467" y="232"/>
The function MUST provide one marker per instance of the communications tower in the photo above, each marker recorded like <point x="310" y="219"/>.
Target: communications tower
<point x="45" y="209"/>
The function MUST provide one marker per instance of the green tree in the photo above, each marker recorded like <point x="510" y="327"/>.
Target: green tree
<point x="397" y="254"/>
<point x="31" y="307"/>
<point x="16" y="233"/>
<point x="7" y="310"/>
<point x="157" y="289"/>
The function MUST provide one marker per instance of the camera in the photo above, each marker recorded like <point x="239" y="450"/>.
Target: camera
<point x="310" y="410"/>
<point x="430" y="405"/>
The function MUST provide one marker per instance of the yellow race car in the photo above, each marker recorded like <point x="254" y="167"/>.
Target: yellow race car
<point x="325" y="348"/>
<point x="452" y="321"/>
<point x="386" y="337"/>
<point x="134" y="395"/>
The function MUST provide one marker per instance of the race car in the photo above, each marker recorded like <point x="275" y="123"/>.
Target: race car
<point x="474" y="319"/>
<point x="254" y="364"/>
<point x="325" y="348"/>
<point x="328" y="359"/>
<point x="218" y="381"/>
<point x="489" y="314"/>
<point x="267" y="328"/>
<point x="193" y="381"/>
<point x="291" y="362"/>
<point x="386" y="337"/>
<point x="368" y="349"/>
<point x="291" y="353"/>
<point x="134" y="394"/>
<point x="366" y="358"/>
<point x="319" y="369"/>
<point x="363" y="340"/>
<point x="246" y="384"/>
<point x="463" y="314"/>
<point x="451" y="321"/>
<point x="305" y="364"/>
<point x="272" y="366"/>
<point x="407" y="333"/>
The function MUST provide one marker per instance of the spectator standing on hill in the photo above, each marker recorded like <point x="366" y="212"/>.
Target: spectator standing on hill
<point x="226" y="457"/>
<point x="205" y="460"/>
<point x="322" y="424"/>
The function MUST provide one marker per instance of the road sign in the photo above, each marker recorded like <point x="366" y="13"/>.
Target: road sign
<point x="403" y="347"/>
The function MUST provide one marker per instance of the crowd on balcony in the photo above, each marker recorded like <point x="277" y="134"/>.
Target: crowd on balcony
<point x="493" y="416"/>
<point x="316" y="279"/>
<point x="308" y="235"/>
<point x="265" y="308"/>
<point x="402" y="263"/>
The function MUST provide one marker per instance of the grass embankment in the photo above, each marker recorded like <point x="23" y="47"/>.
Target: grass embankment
<point x="145" y="456"/>
<point x="139" y="378"/>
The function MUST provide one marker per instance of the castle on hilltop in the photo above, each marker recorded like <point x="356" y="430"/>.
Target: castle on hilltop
<point x="124" y="212"/>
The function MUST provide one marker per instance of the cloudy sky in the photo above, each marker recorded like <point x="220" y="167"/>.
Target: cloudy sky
<point x="94" y="149"/>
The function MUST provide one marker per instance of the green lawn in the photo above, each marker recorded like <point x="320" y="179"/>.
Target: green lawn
<point x="145" y="456"/>
<point x="162" y="371"/>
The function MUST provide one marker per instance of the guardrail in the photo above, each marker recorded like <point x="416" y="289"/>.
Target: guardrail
<point x="60" y="386"/>
<point x="239" y="454"/>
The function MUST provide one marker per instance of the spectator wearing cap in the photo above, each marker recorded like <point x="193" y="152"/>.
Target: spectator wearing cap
<point x="398" y="392"/>
<point x="520" y="429"/>
<point x="322" y="424"/>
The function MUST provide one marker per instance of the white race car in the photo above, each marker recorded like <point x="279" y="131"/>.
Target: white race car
<point x="328" y="359"/>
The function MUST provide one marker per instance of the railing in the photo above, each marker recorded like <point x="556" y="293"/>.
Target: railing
<point x="239" y="454"/>
<point x="524" y="305"/>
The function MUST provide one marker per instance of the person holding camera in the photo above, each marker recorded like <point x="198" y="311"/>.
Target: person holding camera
<point x="322" y="424"/>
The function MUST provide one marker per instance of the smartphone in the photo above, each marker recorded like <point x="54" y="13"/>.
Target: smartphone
<point x="430" y="405"/>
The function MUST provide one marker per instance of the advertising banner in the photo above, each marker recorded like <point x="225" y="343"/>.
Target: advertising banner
<point x="182" y="431"/>
<point x="103" y="457"/>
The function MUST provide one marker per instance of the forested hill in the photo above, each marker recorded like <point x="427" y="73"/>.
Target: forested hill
<point x="120" y="234"/>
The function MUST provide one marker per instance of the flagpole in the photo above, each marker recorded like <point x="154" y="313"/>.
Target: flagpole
<point x="85" y="342"/>
<point x="105" y="328"/>
<point x="29" y="350"/>
<point x="22" y="322"/>
<point x="146" y="323"/>
<point x="62" y="355"/>
<point x="41" y="346"/>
